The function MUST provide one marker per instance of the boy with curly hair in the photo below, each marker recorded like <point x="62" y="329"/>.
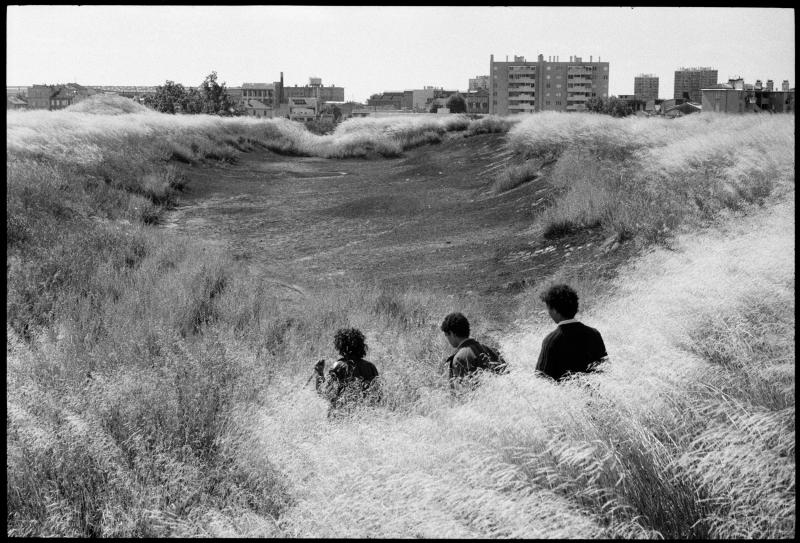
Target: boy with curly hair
<point x="572" y="347"/>
<point x="351" y="379"/>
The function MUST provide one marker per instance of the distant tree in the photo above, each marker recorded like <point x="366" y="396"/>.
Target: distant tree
<point x="456" y="104"/>
<point x="193" y="102"/>
<point x="214" y="97"/>
<point x="168" y="97"/>
<point x="595" y="104"/>
<point x="617" y="108"/>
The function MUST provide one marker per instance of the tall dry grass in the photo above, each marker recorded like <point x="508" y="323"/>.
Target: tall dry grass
<point x="651" y="447"/>
<point x="646" y="178"/>
<point x="154" y="386"/>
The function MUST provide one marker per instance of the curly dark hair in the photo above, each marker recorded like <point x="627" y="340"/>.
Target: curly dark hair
<point x="563" y="299"/>
<point x="350" y="343"/>
<point x="457" y="324"/>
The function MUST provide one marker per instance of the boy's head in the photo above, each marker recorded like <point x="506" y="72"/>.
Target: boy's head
<point x="456" y="328"/>
<point x="563" y="299"/>
<point x="350" y="343"/>
<point x="457" y="324"/>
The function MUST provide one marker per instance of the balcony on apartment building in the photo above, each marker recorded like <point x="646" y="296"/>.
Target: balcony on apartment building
<point x="577" y="97"/>
<point x="521" y="88"/>
<point x="578" y="88"/>
<point x="518" y="97"/>
<point x="522" y="69"/>
<point x="521" y="81"/>
<point x="521" y="107"/>
<point x="579" y="70"/>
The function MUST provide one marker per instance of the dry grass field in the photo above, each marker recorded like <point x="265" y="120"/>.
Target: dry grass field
<point x="171" y="279"/>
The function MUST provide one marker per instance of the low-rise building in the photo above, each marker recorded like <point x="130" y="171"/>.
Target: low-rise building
<point x="16" y="102"/>
<point x="394" y="99"/>
<point x="23" y="91"/>
<point x="634" y="102"/>
<point x="303" y="109"/>
<point x="39" y="96"/>
<point x="256" y="108"/>
<point x="736" y="96"/>
<point x="477" y="101"/>
<point x="57" y="96"/>
<point x="685" y="108"/>
<point x="314" y="89"/>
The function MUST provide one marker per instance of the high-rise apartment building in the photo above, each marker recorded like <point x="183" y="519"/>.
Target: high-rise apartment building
<point x="520" y="86"/>
<point x="645" y="87"/>
<point x="689" y="81"/>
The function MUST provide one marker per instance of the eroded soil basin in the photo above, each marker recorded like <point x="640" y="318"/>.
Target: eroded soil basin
<point x="427" y="220"/>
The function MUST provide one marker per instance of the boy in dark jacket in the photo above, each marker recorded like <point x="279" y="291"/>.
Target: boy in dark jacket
<point x="470" y="356"/>
<point x="573" y="347"/>
<point x="351" y="380"/>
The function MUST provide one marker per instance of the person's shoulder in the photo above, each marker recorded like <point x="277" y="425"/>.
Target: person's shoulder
<point x="367" y="364"/>
<point x="552" y="336"/>
<point x="591" y="330"/>
<point x="465" y="351"/>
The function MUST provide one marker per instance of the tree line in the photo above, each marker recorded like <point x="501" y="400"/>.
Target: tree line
<point x="611" y="106"/>
<point x="210" y="98"/>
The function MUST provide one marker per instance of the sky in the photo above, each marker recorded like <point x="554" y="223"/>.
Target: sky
<point x="372" y="49"/>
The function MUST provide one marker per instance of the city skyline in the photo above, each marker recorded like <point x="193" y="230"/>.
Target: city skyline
<point x="372" y="49"/>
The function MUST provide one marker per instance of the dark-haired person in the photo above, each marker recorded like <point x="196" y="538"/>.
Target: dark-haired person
<point x="351" y="379"/>
<point x="572" y="347"/>
<point x="470" y="356"/>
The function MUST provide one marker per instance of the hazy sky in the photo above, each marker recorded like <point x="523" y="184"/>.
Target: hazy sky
<point x="372" y="49"/>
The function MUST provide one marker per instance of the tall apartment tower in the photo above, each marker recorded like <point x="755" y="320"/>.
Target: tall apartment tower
<point x="689" y="81"/>
<point x="645" y="87"/>
<point x="521" y="86"/>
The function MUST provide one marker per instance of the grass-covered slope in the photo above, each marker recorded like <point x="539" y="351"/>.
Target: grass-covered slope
<point x="154" y="385"/>
<point x="644" y="177"/>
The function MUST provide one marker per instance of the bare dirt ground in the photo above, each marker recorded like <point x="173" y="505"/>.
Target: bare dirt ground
<point x="427" y="220"/>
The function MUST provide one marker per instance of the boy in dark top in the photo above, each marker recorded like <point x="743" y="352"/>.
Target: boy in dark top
<point x="470" y="356"/>
<point x="351" y="380"/>
<point x="573" y="347"/>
